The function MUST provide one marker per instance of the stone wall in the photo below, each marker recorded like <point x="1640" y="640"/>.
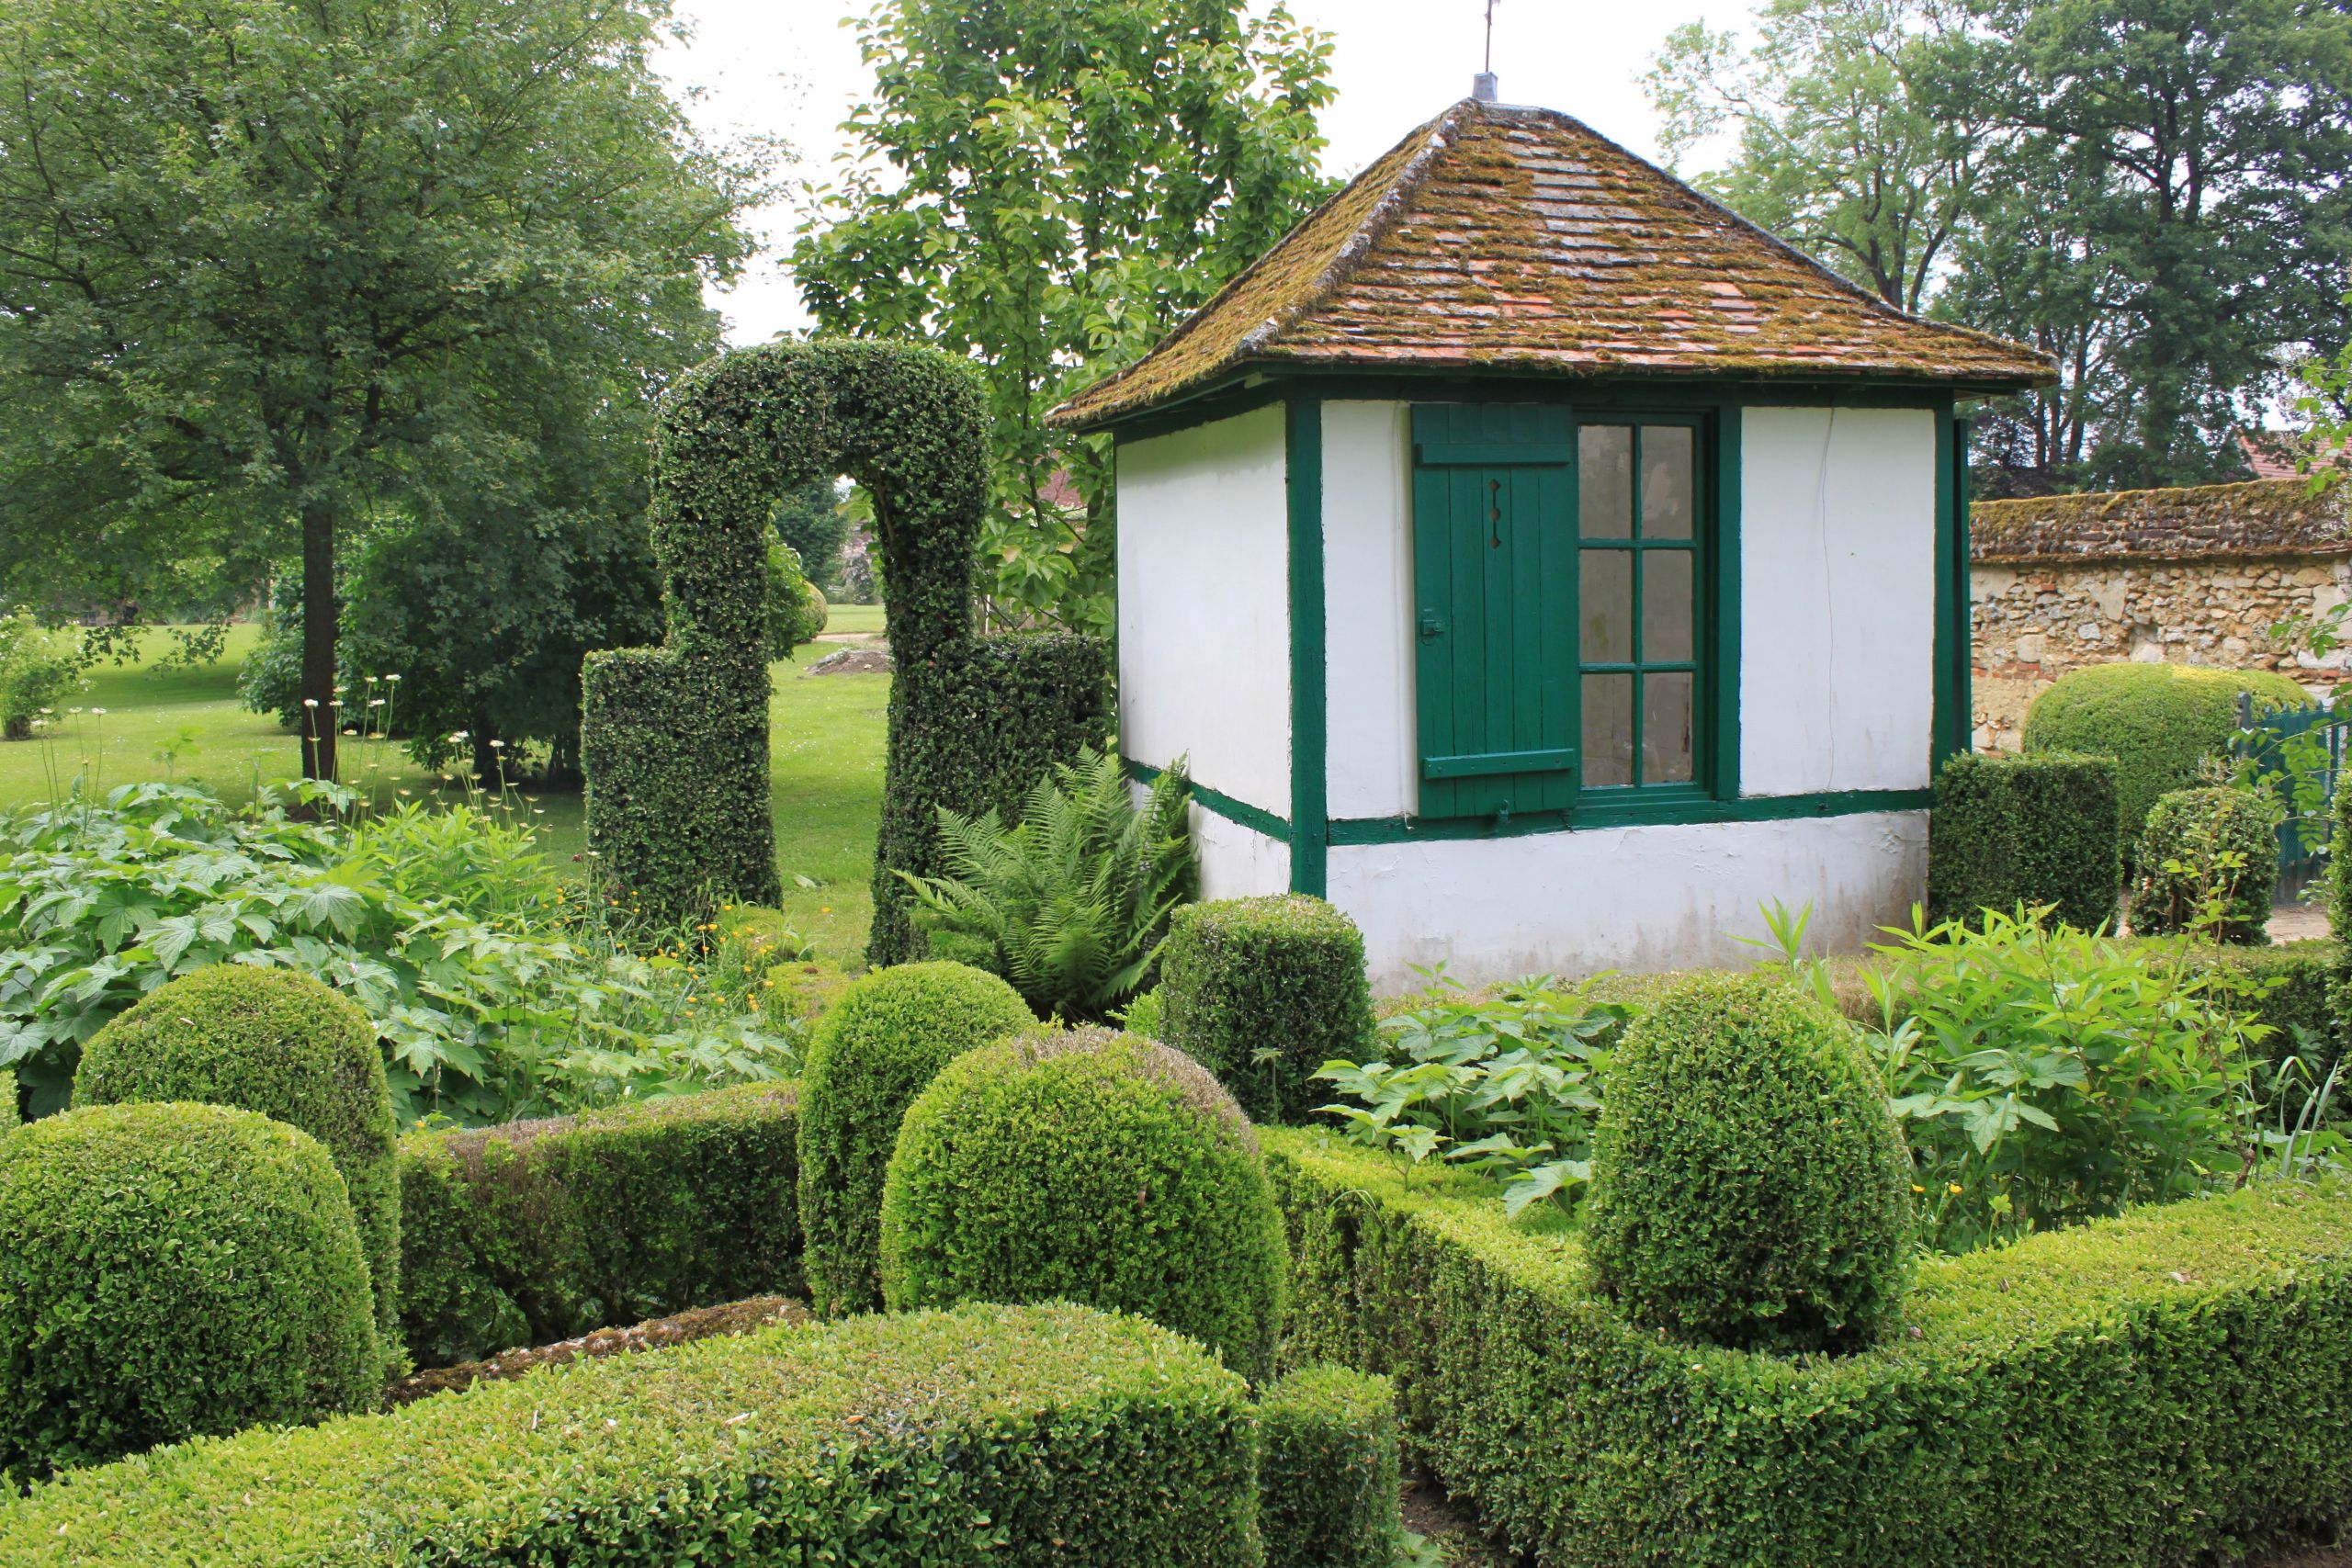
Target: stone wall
<point x="2187" y="576"/>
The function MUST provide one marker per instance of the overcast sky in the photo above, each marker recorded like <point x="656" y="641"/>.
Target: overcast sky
<point x="789" y="68"/>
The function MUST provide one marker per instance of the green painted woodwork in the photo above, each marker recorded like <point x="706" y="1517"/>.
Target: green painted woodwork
<point x="1494" y="564"/>
<point x="1951" y="723"/>
<point x="1635" y="808"/>
<point x="1257" y="819"/>
<point x="1309" y="784"/>
<point x="1501" y="600"/>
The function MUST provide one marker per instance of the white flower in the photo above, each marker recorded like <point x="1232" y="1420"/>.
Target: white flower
<point x="310" y="702"/>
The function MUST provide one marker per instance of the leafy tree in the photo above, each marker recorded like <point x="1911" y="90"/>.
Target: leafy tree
<point x="2148" y="190"/>
<point x="813" y="521"/>
<point x="1048" y="186"/>
<point x="1846" y="140"/>
<point x="267" y="268"/>
<point x="2201" y="144"/>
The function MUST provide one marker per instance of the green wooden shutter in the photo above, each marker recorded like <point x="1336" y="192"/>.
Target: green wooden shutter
<point x="1494" y="562"/>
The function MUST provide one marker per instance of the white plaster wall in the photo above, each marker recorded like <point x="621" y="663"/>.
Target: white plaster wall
<point x="1838" y="599"/>
<point x="1204" y="595"/>
<point x="1236" y="862"/>
<point x="1368" y="608"/>
<point x="1629" y="898"/>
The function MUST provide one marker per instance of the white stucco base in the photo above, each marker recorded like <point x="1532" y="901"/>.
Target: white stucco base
<point x="1236" y="862"/>
<point x="1637" y="899"/>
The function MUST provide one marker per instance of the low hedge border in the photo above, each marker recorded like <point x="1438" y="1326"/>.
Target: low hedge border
<point x="1040" y="1434"/>
<point x="2009" y="829"/>
<point x="540" y="1231"/>
<point x="2137" y="1392"/>
<point x="1327" y="1470"/>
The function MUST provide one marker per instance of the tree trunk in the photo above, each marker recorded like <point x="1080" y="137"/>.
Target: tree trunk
<point x="321" y="621"/>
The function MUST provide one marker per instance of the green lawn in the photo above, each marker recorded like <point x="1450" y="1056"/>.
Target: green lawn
<point x="865" y="620"/>
<point x="827" y="735"/>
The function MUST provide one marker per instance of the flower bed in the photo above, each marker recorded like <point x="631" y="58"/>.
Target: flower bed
<point x="1045" y="1435"/>
<point x="2136" y="1391"/>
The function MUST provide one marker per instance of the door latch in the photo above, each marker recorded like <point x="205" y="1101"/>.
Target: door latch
<point x="1433" y="625"/>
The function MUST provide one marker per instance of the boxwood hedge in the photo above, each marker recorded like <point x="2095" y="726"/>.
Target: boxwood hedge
<point x="167" y="1270"/>
<point x="281" y="1044"/>
<point x="1327" y="1470"/>
<point x="538" y="1231"/>
<point x="2195" y="829"/>
<point x="2158" y="721"/>
<point x="879" y="1048"/>
<point x="2136" y="1391"/>
<point x="1262" y="992"/>
<point x="1044" y="1435"/>
<point x="675" y="738"/>
<point x="2038" y="829"/>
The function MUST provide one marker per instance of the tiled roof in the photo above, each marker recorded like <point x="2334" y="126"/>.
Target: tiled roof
<point x="2264" y="517"/>
<point x="2280" y="455"/>
<point x="1516" y="238"/>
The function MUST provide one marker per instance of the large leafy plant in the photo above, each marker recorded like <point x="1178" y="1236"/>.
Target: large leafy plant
<point x="494" y="996"/>
<point x="1071" y="904"/>
<point x="1507" y="1083"/>
<point x="2047" y="1076"/>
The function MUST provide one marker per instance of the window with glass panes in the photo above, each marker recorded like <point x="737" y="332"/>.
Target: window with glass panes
<point x="1637" y="597"/>
<point x="1560" y="566"/>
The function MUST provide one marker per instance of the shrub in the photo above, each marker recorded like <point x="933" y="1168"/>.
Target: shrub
<point x="1073" y="903"/>
<point x="795" y="610"/>
<point x="2158" y="721"/>
<point x="1751" y="1186"/>
<point x="280" y="1044"/>
<point x="1145" y="1016"/>
<point x="1327" y="1480"/>
<point x="1262" y="992"/>
<point x="10" y="1115"/>
<point x="1504" y="1082"/>
<point x="2207" y="861"/>
<point x="2026" y="830"/>
<point x="541" y="1231"/>
<point x="167" y="1270"/>
<point x="973" y="732"/>
<point x="1088" y="1167"/>
<point x="675" y="738"/>
<point x="1038" y="1436"/>
<point x="879" y="1048"/>
<point x="2286" y="988"/>
<point x="2122" y="1379"/>
<point x="37" y="668"/>
<point x="484" y="1016"/>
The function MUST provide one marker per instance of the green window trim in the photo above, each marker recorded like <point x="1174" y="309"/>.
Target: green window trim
<point x="1502" y="672"/>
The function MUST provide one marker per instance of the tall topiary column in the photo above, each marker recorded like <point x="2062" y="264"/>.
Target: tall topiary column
<point x="674" y="740"/>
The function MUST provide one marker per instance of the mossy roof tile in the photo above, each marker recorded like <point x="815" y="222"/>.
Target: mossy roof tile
<point x="1503" y="237"/>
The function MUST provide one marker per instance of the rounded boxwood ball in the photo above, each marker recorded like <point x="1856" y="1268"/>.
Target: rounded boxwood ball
<point x="872" y="1053"/>
<point x="1750" y="1186"/>
<point x="170" y="1271"/>
<point x="282" y="1044"/>
<point x="1091" y="1167"/>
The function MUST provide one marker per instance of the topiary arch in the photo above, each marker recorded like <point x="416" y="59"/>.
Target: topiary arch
<point x="674" y="740"/>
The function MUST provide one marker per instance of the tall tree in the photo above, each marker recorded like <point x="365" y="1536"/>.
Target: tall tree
<point x="1048" y="186"/>
<point x="269" y="267"/>
<point x="1845" y="140"/>
<point x="2201" y="145"/>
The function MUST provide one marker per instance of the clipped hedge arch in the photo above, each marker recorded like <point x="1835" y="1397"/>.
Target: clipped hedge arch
<point x="674" y="740"/>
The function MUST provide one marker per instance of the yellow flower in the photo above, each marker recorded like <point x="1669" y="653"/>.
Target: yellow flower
<point x="1955" y="1189"/>
<point x="1917" y="1187"/>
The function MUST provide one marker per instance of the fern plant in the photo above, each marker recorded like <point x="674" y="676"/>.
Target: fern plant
<point x="1070" y="905"/>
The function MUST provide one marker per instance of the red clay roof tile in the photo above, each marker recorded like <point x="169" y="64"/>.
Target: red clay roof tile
<point x="1502" y="237"/>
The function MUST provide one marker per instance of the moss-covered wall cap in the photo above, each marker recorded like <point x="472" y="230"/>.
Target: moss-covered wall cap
<point x="1510" y="238"/>
<point x="2264" y="518"/>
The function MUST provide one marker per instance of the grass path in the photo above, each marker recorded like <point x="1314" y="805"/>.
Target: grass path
<point x="826" y="736"/>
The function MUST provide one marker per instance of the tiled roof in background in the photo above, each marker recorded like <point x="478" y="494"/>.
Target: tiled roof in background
<point x="1503" y="237"/>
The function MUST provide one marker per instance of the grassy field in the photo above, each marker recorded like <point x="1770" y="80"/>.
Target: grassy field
<point x="138" y="722"/>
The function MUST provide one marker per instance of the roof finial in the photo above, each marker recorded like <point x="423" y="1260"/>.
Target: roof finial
<point x="1483" y="87"/>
